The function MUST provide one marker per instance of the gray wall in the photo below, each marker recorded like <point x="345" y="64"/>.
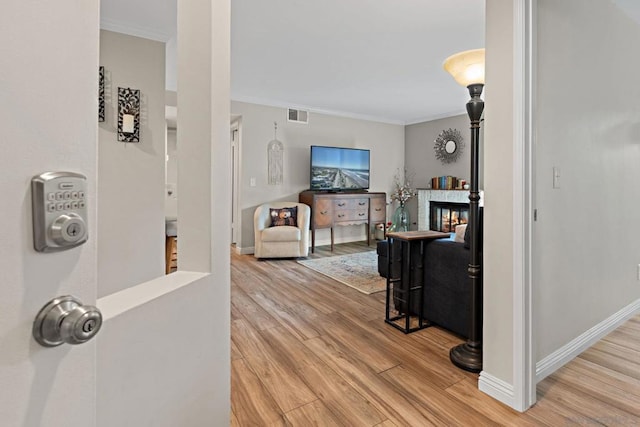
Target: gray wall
<point x="588" y="247"/>
<point x="386" y="142"/>
<point x="171" y="200"/>
<point x="420" y="158"/>
<point x="131" y="175"/>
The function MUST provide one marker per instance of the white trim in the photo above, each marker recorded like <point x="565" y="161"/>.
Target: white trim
<point x="337" y="113"/>
<point x="497" y="388"/>
<point x="436" y="117"/>
<point x="523" y="360"/>
<point x="247" y="250"/>
<point x="130" y="298"/>
<point x="132" y="30"/>
<point x="287" y="105"/>
<point x="572" y="349"/>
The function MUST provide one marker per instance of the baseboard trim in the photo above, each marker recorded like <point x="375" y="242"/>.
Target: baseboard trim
<point x="568" y="352"/>
<point x="247" y="250"/>
<point x="497" y="388"/>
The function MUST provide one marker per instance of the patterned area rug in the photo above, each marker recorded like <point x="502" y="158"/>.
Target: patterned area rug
<point x="359" y="271"/>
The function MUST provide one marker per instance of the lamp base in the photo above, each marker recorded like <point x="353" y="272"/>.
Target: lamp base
<point x="467" y="357"/>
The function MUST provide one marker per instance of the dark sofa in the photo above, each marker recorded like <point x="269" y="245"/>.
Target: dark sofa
<point x="446" y="283"/>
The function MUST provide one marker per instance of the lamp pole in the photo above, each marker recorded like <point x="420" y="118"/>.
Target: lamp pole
<point x="468" y="355"/>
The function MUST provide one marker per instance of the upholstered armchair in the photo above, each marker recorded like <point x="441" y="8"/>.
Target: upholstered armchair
<point x="281" y="241"/>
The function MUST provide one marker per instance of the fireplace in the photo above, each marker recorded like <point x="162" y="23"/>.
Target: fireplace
<point x="444" y="216"/>
<point x="426" y="197"/>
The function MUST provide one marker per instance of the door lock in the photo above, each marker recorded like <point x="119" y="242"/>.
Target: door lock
<point x="59" y="210"/>
<point x="66" y="320"/>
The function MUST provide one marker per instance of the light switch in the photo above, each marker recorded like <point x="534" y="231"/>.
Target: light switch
<point x="252" y="182"/>
<point x="556" y="177"/>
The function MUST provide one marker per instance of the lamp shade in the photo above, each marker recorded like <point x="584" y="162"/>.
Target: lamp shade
<point x="466" y="67"/>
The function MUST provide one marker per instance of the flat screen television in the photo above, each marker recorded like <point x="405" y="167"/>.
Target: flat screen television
<point x="339" y="169"/>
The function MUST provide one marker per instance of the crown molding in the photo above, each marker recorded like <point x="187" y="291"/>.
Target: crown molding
<point x="132" y="30"/>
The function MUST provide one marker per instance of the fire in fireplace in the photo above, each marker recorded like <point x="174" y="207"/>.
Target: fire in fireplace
<point x="446" y="215"/>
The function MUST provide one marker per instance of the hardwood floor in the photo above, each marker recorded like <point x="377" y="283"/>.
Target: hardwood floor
<point x="307" y="350"/>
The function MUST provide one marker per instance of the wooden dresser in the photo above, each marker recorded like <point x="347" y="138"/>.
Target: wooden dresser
<point x="332" y="209"/>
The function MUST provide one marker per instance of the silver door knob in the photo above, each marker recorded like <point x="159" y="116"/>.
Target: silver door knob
<point x="66" y="320"/>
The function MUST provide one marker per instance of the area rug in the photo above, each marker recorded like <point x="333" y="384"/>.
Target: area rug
<point x="359" y="271"/>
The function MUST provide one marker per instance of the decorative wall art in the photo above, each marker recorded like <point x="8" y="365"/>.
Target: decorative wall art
<point x="128" y="114"/>
<point x="275" y="156"/>
<point x="448" y="146"/>
<point x="101" y="94"/>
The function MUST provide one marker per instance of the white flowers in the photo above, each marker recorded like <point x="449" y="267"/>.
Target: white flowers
<point x="403" y="191"/>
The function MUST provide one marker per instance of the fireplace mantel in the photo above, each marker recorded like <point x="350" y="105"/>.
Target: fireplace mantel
<point x="426" y="196"/>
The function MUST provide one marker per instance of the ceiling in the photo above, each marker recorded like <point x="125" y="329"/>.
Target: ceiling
<point x="371" y="59"/>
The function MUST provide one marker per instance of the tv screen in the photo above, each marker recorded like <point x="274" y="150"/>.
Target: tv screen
<point x="338" y="169"/>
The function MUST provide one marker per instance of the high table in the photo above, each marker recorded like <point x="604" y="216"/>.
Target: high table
<point x="410" y="279"/>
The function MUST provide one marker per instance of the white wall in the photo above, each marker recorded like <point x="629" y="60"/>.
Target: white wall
<point x="164" y="353"/>
<point x="48" y="117"/>
<point x="385" y="141"/>
<point x="587" y="244"/>
<point x="420" y="158"/>
<point x="498" y="242"/>
<point x="175" y="359"/>
<point x="131" y="175"/>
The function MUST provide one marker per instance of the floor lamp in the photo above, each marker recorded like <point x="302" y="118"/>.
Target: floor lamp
<point x="467" y="68"/>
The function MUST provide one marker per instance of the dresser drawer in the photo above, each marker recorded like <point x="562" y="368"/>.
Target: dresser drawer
<point x="378" y="209"/>
<point x="352" y="215"/>
<point x="344" y="204"/>
<point x="322" y="213"/>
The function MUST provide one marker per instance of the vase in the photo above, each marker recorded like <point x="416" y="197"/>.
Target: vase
<point x="400" y="220"/>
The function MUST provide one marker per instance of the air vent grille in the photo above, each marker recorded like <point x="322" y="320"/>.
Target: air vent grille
<point x="297" y="116"/>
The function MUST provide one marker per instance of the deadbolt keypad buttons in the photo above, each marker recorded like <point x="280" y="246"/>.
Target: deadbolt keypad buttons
<point x="59" y="211"/>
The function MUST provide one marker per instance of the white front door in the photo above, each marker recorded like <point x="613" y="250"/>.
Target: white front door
<point x="161" y="357"/>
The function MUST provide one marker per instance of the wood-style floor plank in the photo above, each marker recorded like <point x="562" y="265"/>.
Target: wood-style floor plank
<point x="250" y="401"/>
<point x="308" y="350"/>
<point x="284" y="385"/>
<point x="252" y="312"/>
<point x="347" y="405"/>
<point x="601" y="385"/>
<point x="446" y="408"/>
<point x="466" y="392"/>
<point x="372" y="386"/>
<point x="614" y="357"/>
<point x="356" y="341"/>
<point x="585" y="409"/>
<point x="312" y="414"/>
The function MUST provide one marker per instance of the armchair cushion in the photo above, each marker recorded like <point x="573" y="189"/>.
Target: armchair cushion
<point x="283" y="233"/>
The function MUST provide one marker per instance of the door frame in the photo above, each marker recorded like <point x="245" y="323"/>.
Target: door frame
<point x="235" y="178"/>
<point x="524" y="363"/>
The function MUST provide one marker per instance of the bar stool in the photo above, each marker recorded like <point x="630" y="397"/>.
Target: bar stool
<point x="171" y="245"/>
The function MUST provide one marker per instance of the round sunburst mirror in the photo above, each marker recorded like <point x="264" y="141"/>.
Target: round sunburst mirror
<point x="448" y="145"/>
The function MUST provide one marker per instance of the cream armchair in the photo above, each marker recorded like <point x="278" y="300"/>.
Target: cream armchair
<point x="283" y="241"/>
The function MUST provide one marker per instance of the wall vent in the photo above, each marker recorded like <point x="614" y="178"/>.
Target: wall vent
<point x="297" y="116"/>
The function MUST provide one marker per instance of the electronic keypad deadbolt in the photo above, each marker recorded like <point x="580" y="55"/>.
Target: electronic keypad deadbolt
<point x="66" y="320"/>
<point x="59" y="205"/>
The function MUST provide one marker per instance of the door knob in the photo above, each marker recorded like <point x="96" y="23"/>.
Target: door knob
<point x="65" y="319"/>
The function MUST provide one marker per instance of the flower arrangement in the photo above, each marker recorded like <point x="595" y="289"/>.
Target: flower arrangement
<point x="403" y="191"/>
